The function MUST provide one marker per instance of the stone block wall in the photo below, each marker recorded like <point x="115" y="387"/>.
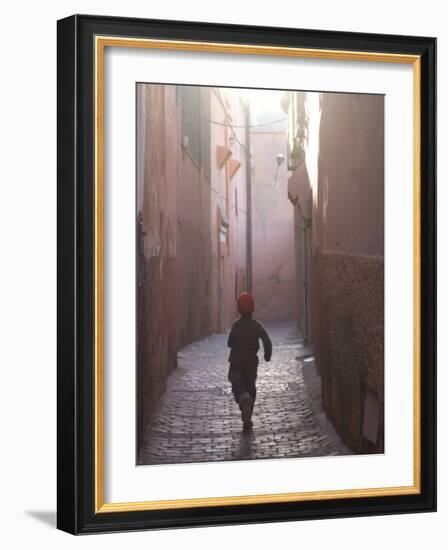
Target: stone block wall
<point x="348" y="336"/>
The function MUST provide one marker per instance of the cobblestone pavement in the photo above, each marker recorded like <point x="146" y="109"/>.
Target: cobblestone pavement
<point x="197" y="419"/>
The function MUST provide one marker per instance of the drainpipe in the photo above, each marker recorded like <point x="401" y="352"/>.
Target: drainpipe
<point x="248" y="201"/>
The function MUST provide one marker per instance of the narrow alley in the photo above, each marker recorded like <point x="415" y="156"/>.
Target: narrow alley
<point x="279" y="194"/>
<point x="197" y="419"/>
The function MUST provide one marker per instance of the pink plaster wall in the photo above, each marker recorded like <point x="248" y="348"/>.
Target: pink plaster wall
<point x="350" y="194"/>
<point x="274" y="269"/>
<point x="156" y="298"/>
<point x="229" y="256"/>
<point x="347" y="263"/>
<point x="178" y="299"/>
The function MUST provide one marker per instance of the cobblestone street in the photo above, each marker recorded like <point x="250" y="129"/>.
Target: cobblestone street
<point x="197" y="419"/>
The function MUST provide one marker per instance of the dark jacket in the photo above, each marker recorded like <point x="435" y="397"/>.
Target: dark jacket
<point x="244" y="340"/>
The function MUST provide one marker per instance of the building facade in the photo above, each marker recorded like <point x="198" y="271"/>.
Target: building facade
<point x="192" y="223"/>
<point x="274" y="281"/>
<point x="336" y="154"/>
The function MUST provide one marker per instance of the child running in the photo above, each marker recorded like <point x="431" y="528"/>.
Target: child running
<point x="243" y="342"/>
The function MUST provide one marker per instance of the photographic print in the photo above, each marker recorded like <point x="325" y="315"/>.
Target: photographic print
<point x="246" y="274"/>
<point x="259" y="273"/>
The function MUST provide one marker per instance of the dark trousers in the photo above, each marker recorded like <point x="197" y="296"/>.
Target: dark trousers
<point x="243" y="376"/>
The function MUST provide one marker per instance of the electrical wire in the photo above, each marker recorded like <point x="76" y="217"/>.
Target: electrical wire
<point x="250" y="125"/>
<point x="233" y="126"/>
<point x="228" y="116"/>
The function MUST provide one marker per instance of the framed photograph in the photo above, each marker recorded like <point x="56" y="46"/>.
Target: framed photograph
<point x="246" y="274"/>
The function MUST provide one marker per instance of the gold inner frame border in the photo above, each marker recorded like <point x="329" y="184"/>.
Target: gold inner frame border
<point x="100" y="43"/>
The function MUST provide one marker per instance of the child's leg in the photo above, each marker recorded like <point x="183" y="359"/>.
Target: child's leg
<point x="250" y="382"/>
<point x="252" y="389"/>
<point x="248" y="398"/>
<point x="236" y="378"/>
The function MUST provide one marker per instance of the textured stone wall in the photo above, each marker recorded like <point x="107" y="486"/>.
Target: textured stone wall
<point x="348" y="327"/>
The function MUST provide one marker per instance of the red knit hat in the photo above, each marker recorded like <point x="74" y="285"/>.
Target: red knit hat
<point x="245" y="303"/>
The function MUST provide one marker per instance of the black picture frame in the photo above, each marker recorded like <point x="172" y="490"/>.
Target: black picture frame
<point x="76" y="474"/>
